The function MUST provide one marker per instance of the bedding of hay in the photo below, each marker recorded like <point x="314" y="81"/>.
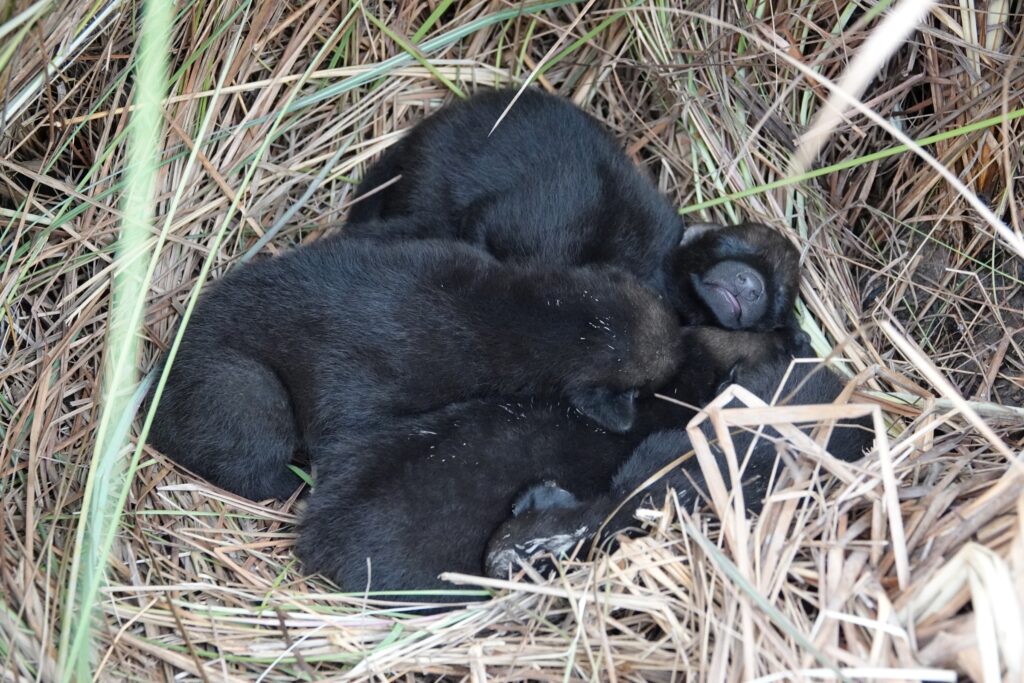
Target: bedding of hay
<point x="907" y="565"/>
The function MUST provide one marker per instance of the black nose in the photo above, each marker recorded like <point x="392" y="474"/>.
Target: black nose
<point x="750" y="286"/>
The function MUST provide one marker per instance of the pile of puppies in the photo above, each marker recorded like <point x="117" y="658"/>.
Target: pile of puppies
<point x="470" y="366"/>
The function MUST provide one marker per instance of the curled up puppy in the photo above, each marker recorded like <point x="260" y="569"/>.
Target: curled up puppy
<point x="341" y="337"/>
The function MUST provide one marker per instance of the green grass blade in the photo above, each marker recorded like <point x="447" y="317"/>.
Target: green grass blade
<point x="100" y="515"/>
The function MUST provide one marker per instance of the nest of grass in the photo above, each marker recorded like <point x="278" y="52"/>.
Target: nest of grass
<point x="906" y="565"/>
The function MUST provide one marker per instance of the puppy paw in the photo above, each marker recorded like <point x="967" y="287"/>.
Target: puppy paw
<point x="533" y="539"/>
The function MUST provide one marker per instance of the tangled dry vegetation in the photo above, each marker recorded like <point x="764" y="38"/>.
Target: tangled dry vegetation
<point x="906" y="565"/>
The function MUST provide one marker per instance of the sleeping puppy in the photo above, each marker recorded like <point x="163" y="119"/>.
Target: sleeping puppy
<point x="551" y="518"/>
<point x="551" y="185"/>
<point x="425" y="496"/>
<point x="346" y="336"/>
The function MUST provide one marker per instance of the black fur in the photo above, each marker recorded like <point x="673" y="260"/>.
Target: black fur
<point x="426" y="496"/>
<point x="344" y="336"/>
<point x="394" y="510"/>
<point x="546" y="521"/>
<point x="551" y="185"/>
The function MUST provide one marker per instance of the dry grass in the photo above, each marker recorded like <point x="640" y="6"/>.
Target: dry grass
<point x="910" y="559"/>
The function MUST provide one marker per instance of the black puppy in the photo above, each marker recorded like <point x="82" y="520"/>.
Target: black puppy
<point x="551" y="518"/>
<point x="396" y="509"/>
<point x="551" y="185"/>
<point x="344" y="336"/>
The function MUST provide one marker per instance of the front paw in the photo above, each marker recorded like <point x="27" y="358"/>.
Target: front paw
<point x="534" y="539"/>
<point x="612" y="410"/>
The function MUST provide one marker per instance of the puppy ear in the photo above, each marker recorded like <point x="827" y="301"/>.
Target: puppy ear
<point x="612" y="410"/>
<point x="546" y="496"/>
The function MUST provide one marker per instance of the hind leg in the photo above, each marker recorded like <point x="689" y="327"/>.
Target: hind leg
<point x="229" y="419"/>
